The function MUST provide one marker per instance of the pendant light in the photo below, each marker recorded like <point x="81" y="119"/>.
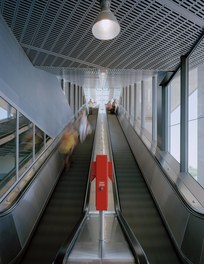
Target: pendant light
<point x="106" y="26"/>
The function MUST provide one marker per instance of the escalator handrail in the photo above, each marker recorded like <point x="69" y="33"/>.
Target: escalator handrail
<point x="88" y="186"/>
<point x="66" y="248"/>
<point x="31" y="170"/>
<point x="137" y="249"/>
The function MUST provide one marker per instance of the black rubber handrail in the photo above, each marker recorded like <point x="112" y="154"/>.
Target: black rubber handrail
<point x="66" y="248"/>
<point x="137" y="249"/>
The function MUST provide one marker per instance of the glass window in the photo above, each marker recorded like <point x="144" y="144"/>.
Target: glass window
<point x="7" y="145"/>
<point x="32" y="141"/>
<point x="131" y="103"/>
<point x="174" y="117"/>
<point x="39" y="141"/>
<point x="30" y="146"/>
<point x="132" y="98"/>
<point x="126" y="98"/>
<point x="148" y="104"/>
<point x="193" y="123"/>
<point x="138" y="103"/>
<point x="25" y="143"/>
<point x="196" y="123"/>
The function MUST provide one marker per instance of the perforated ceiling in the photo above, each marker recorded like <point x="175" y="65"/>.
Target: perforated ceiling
<point x="56" y="35"/>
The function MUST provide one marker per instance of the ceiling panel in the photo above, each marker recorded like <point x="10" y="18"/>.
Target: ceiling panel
<point x="56" y="35"/>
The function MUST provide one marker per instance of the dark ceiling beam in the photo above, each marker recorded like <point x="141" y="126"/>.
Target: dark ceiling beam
<point x="169" y="76"/>
<point x="60" y="56"/>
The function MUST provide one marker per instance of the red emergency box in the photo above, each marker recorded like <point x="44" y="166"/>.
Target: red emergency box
<point x="101" y="170"/>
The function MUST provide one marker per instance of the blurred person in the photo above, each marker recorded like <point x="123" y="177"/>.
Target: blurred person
<point x="90" y="106"/>
<point x="90" y="103"/>
<point x="84" y="127"/>
<point x="67" y="144"/>
<point x="114" y="107"/>
<point x="109" y="107"/>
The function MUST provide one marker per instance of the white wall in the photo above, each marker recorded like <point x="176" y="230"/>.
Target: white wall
<point x="35" y="93"/>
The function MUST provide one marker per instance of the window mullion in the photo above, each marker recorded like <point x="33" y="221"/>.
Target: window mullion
<point x="184" y="115"/>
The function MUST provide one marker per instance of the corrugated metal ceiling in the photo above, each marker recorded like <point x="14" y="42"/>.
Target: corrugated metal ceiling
<point x="56" y="35"/>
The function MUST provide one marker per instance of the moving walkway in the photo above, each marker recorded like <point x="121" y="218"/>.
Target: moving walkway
<point x="134" y="228"/>
<point x="159" y="217"/>
<point x="135" y="215"/>
<point x="137" y="204"/>
<point x="103" y="236"/>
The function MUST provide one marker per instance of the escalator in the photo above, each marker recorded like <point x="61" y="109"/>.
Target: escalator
<point x="64" y="208"/>
<point x="136" y="202"/>
<point x="101" y="236"/>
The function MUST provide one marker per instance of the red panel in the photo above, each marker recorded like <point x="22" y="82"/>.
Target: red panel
<point x="101" y="182"/>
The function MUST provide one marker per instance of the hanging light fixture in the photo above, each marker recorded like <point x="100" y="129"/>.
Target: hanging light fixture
<point x="106" y="26"/>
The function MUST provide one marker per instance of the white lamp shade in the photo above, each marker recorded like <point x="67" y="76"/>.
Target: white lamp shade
<point x="106" y="26"/>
